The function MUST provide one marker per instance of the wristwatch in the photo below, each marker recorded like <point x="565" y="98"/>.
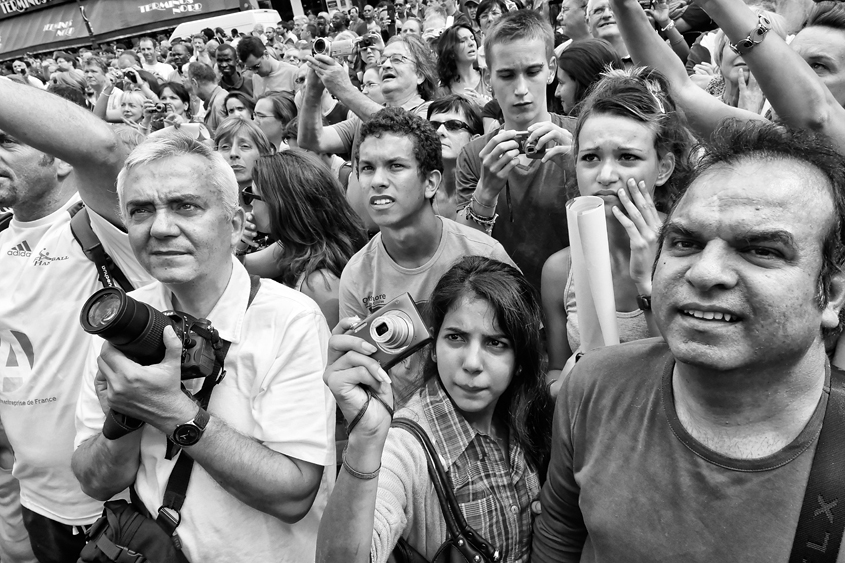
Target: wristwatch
<point x="190" y="432"/>
<point x="644" y="302"/>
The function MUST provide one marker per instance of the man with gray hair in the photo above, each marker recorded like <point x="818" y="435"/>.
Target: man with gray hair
<point x="258" y="484"/>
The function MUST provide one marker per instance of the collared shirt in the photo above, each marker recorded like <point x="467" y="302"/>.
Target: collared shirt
<point x="495" y="496"/>
<point x="272" y="393"/>
<point x="238" y="84"/>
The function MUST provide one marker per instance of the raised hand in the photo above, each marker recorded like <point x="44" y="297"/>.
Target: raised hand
<point x="642" y="223"/>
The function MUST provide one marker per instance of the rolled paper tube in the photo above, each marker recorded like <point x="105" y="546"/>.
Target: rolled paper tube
<point x="591" y="271"/>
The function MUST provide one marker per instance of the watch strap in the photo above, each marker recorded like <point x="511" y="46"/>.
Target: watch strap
<point x="644" y="302"/>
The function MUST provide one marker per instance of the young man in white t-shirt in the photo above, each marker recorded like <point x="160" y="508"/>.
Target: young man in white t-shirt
<point x="400" y="170"/>
<point x="45" y="278"/>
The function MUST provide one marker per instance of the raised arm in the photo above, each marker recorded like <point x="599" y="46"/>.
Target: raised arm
<point x="64" y="130"/>
<point x="795" y="91"/>
<point x="704" y="112"/>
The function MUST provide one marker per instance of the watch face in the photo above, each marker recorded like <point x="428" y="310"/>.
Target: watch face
<point x="187" y="435"/>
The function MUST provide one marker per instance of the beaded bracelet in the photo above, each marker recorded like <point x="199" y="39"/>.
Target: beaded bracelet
<point x="485" y="222"/>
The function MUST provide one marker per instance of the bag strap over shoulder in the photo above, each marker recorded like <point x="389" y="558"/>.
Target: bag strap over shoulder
<point x="169" y="514"/>
<point x="822" y="520"/>
<point x="108" y="272"/>
<point x="456" y="524"/>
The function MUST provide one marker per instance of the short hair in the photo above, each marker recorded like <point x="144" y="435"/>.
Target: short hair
<point x="201" y="72"/>
<point x="149" y="39"/>
<point x="397" y="121"/>
<point x="131" y="53"/>
<point x="97" y="62"/>
<point x="521" y="25"/>
<point x="459" y="104"/>
<point x="585" y="61"/>
<point x="187" y="46"/>
<point x="421" y="55"/>
<point x="66" y="56"/>
<point x="70" y="93"/>
<point x="311" y="28"/>
<point x="172" y="143"/>
<point x="181" y="92"/>
<point x="344" y="19"/>
<point x="228" y="47"/>
<point x="737" y="142"/>
<point x="73" y="78"/>
<point x="486" y="5"/>
<point x="642" y="94"/>
<point x="250" y="45"/>
<point x="247" y="101"/>
<point x="284" y="108"/>
<point x="199" y="36"/>
<point x="236" y="125"/>
<point x="826" y="14"/>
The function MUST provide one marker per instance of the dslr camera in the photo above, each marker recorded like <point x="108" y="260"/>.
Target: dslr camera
<point x="529" y="149"/>
<point x="397" y="330"/>
<point x="325" y="46"/>
<point x="137" y="330"/>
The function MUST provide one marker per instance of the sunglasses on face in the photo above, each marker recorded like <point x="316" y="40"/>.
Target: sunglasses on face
<point x="250" y="196"/>
<point x="452" y="125"/>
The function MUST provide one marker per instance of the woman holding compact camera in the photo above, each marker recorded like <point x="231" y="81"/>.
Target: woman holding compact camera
<point x="482" y="401"/>
<point x="631" y="150"/>
<point x="172" y="110"/>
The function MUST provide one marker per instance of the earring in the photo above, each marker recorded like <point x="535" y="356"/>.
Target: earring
<point x="434" y="356"/>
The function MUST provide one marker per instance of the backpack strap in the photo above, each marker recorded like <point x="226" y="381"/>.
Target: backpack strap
<point x="822" y="519"/>
<point x="108" y="272"/>
<point x="169" y="514"/>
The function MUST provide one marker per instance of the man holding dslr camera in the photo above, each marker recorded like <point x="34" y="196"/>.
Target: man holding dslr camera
<point x="257" y="486"/>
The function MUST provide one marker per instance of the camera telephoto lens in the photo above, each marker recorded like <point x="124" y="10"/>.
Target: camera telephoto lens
<point x="133" y="327"/>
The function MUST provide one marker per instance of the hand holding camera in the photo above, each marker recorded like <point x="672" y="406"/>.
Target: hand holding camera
<point x="360" y="352"/>
<point x="544" y="140"/>
<point x="146" y="356"/>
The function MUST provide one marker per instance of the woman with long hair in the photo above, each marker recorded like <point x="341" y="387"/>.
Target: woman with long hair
<point x="482" y="400"/>
<point x="296" y="199"/>
<point x="457" y="50"/>
<point x="579" y="67"/>
<point x="632" y="149"/>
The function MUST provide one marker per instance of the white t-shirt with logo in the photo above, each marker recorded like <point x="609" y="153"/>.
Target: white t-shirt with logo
<point x="44" y="280"/>
<point x="273" y="393"/>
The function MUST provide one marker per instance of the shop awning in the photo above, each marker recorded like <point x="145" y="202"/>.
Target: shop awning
<point x="61" y="26"/>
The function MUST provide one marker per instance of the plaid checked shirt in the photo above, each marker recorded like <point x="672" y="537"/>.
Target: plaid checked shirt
<point x="496" y="500"/>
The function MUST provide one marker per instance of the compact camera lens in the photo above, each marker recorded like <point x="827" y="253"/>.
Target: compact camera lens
<point x="321" y="46"/>
<point x="104" y="310"/>
<point x="393" y="331"/>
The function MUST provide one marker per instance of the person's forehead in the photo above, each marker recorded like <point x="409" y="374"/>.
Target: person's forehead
<point x="513" y="54"/>
<point x="593" y="5"/>
<point x="387" y="146"/>
<point x="820" y="41"/>
<point x="464" y="33"/>
<point x="397" y="47"/>
<point x="442" y="116"/>
<point x="761" y="194"/>
<point x="234" y="103"/>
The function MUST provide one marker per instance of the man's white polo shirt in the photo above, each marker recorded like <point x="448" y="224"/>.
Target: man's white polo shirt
<point x="273" y="392"/>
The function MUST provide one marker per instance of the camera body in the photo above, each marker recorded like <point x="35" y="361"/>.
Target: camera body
<point x="137" y="330"/>
<point x="162" y="108"/>
<point x="647" y="4"/>
<point x="397" y="330"/>
<point x="529" y="149"/>
<point x="325" y="46"/>
<point x="199" y="340"/>
<point x="366" y="41"/>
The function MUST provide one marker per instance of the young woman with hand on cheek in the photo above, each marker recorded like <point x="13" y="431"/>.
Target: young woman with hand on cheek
<point x="482" y="403"/>
<point x="632" y="147"/>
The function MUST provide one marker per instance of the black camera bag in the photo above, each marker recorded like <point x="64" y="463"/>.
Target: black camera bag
<point x="126" y="533"/>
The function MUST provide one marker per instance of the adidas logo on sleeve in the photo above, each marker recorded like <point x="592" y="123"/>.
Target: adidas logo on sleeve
<point x="21" y="249"/>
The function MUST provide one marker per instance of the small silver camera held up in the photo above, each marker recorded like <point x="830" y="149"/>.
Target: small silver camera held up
<point x="397" y="330"/>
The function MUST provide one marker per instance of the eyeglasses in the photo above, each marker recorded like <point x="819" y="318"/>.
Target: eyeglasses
<point x="395" y="59"/>
<point x="453" y="125"/>
<point x="250" y="196"/>
<point x="490" y="14"/>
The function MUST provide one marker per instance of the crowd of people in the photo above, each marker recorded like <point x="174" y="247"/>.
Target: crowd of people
<point x="278" y="193"/>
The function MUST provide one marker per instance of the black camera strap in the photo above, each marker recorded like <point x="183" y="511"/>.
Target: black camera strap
<point x="822" y="519"/>
<point x="169" y="514"/>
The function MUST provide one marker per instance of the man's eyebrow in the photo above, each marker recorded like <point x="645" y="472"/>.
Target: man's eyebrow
<point x="674" y="228"/>
<point x="778" y="236"/>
